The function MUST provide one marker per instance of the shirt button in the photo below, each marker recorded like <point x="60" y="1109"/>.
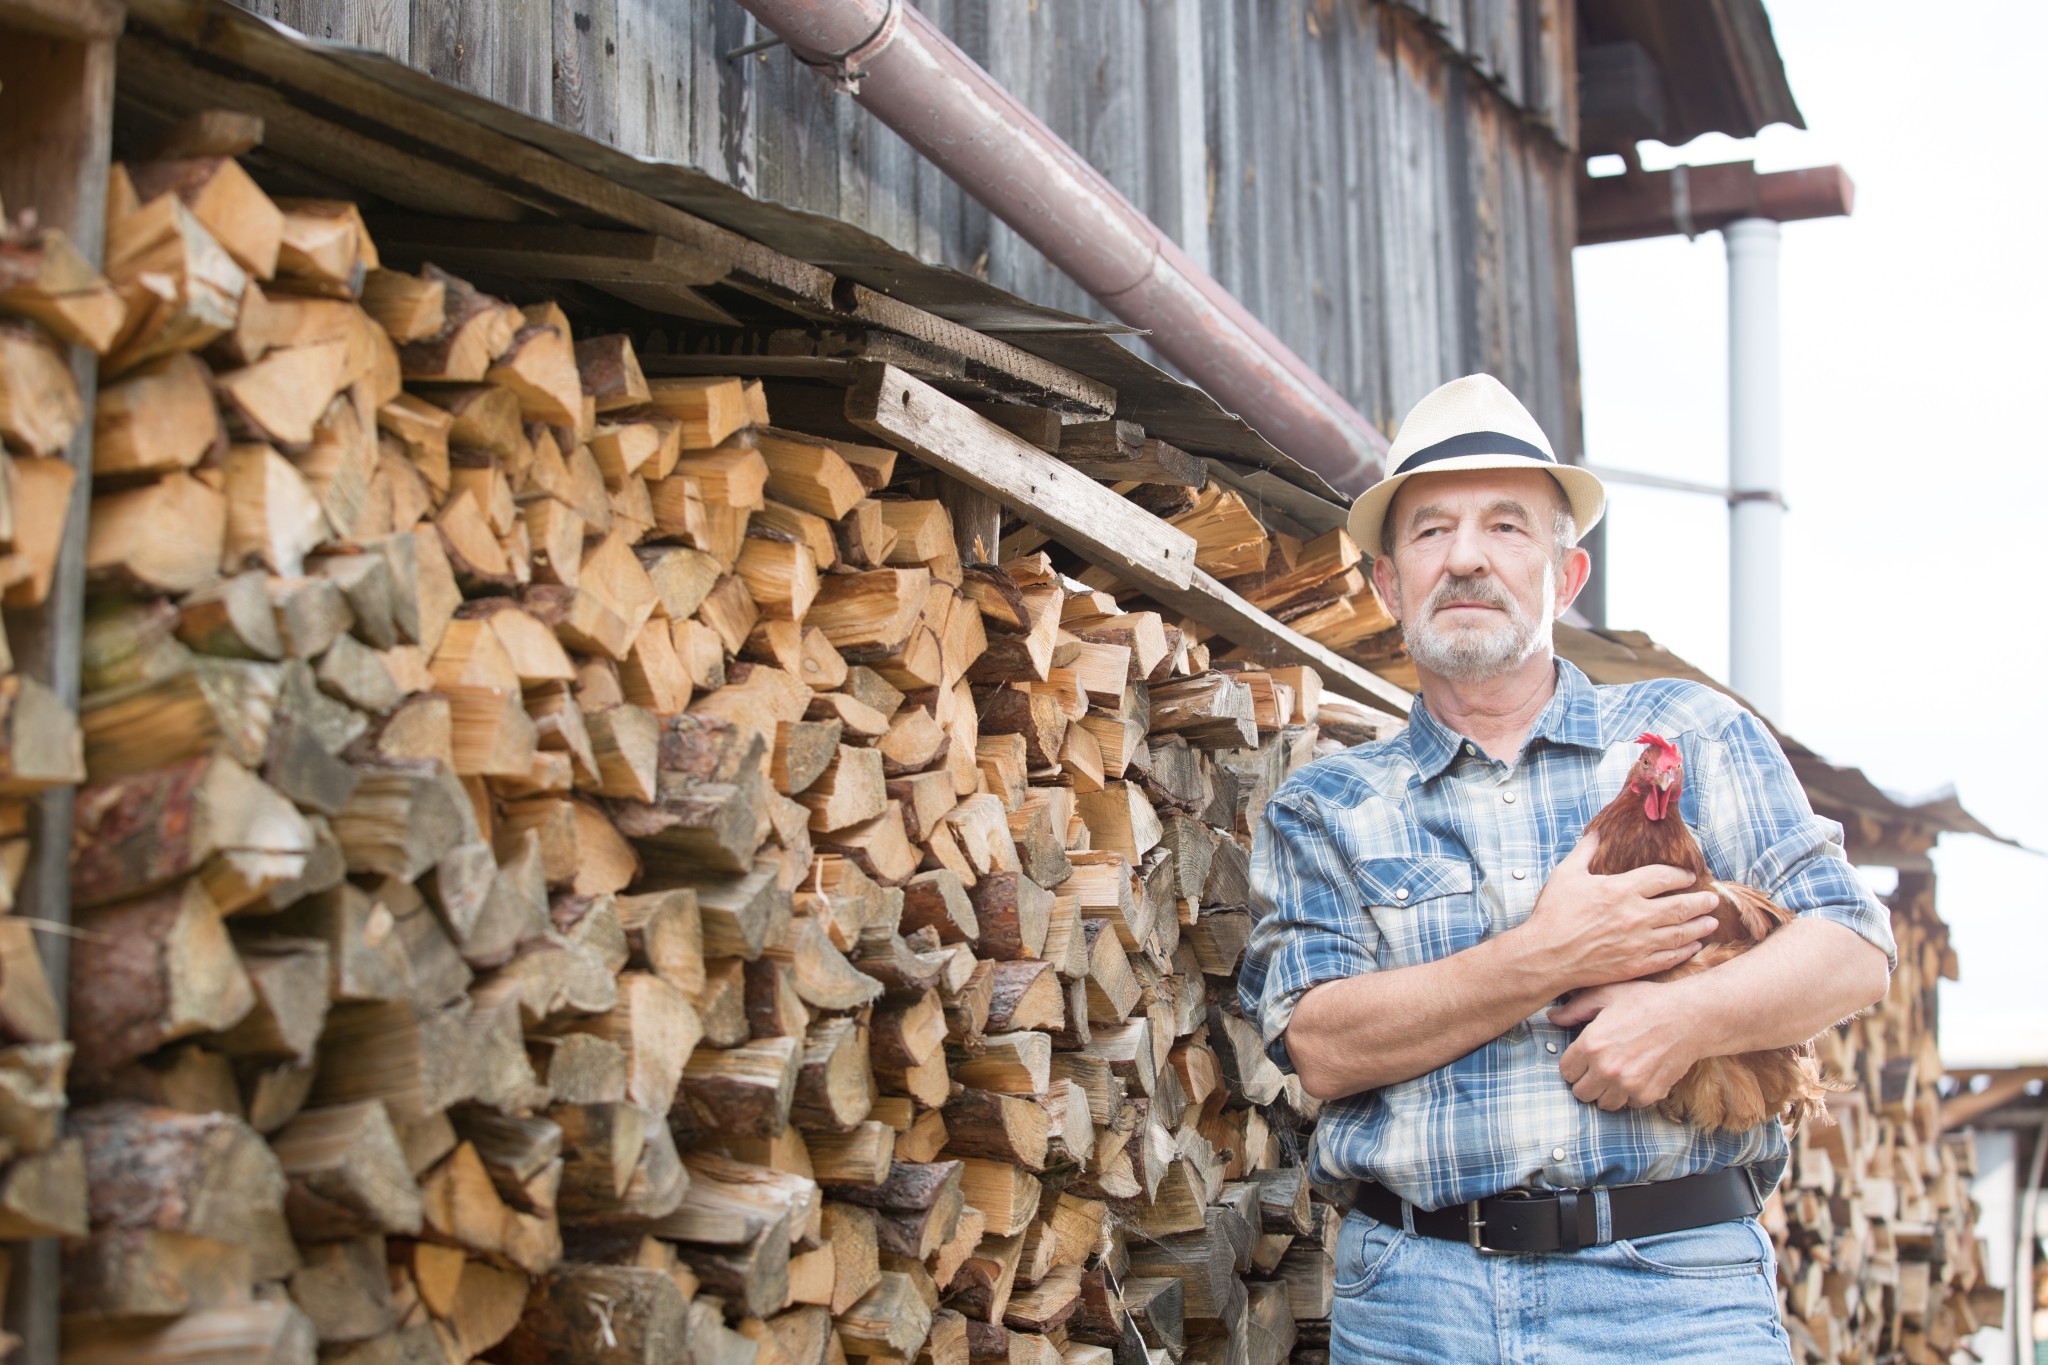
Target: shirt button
<point x="1470" y="750"/>
<point x="1557" y="1154"/>
<point x="1508" y="797"/>
<point x="1519" y="873"/>
<point x="1400" y="893"/>
<point x="1550" y="1047"/>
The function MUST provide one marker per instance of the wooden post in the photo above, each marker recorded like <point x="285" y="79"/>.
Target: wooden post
<point x="56" y="128"/>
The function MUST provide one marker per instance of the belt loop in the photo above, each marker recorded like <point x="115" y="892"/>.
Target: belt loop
<point x="1603" y="1217"/>
<point x="1407" y="1218"/>
<point x="1756" y="1189"/>
<point x="1567" y="1220"/>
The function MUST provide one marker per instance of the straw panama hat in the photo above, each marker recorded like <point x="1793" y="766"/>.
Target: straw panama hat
<point x="1470" y="423"/>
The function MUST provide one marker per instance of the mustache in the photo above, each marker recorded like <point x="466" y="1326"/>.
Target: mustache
<point x="1482" y="590"/>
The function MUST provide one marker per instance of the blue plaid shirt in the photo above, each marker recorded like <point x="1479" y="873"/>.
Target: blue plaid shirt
<point x="1416" y="847"/>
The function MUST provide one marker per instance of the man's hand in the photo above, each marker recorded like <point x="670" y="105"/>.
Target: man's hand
<point x="1592" y="930"/>
<point x="1634" y="1048"/>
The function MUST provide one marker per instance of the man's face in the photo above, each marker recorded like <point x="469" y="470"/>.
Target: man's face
<point x="1471" y="569"/>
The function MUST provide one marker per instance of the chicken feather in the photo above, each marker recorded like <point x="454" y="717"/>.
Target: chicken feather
<point x="1640" y="827"/>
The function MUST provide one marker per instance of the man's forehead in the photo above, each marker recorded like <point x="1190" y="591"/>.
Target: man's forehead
<point x="1465" y="489"/>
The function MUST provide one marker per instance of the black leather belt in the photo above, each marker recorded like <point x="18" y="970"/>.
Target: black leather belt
<point x="1565" y="1220"/>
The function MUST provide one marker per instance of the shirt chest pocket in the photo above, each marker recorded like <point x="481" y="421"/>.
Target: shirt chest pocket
<point x="1424" y="908"/>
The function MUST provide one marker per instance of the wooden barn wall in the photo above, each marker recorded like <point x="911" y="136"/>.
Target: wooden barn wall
<point x="1387" y="186"/>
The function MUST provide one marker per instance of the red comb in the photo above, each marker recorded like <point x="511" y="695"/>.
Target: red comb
<point x="1647" y="737"/>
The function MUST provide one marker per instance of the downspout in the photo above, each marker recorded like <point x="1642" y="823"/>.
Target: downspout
<point x="1756" y="506"/>
<point x="911" y="76"/>
<point x="2021" y="1331"/>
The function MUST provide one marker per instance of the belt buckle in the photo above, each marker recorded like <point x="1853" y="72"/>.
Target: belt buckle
<point x="1473" y="1223"/>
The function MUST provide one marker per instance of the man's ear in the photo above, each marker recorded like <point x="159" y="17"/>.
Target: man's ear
<point x="1383" y="583"/>
<point x="1571" y="581"/>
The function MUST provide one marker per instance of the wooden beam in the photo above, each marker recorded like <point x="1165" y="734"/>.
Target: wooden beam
<point x="1089" y="519"/>
<point x="160" y="78"/>
<point x="1695" y="199"/>
<point x="549" y="251"/>
<point x="2006" y="1085"/>
<point x="56" y="139"/>
<point x="992" y="362"/>
<point x="1079" y="512"/>
<point x="1223" y="611"/>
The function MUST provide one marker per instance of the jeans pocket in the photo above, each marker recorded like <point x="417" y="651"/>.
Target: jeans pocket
<point x="1716" y="1251"/>
<point x="1364" y="1247"/>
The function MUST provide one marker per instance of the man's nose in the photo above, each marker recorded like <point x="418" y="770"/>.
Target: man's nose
<point x="1468" y="551"/>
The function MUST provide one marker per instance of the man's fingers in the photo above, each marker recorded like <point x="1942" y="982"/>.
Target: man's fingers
<point x="1657" y="879"/>
<point x="1692" y="931"/>
<point x="1671" y="957"/>
<point x="1694" y="905"/>
<point x="1582" y="852"/>
<point x="1583" y="1006"/>
<point x="1601" y="1091"/>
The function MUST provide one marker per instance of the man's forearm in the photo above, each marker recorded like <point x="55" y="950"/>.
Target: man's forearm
<point x="1805" y="977"/>
<point x="1384" y="1027"/>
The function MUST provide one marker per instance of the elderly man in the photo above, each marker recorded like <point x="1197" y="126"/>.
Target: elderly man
<point x="1424" y="903"/>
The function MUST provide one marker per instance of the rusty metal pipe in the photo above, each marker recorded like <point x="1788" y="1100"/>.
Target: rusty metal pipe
<point x="912" y="77"/>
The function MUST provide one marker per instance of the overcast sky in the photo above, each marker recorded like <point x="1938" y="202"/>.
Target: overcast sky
<point x="1915" y="336"/>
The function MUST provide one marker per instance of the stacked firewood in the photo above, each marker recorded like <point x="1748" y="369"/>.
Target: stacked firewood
<point x="1876" y="1230"/>
<point x="51" y="300"/>
<point x="570" y="870"/>
<point x="1319" y="585"/>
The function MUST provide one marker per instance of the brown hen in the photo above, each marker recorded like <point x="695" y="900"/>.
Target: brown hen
<point x="1641" y="827"/>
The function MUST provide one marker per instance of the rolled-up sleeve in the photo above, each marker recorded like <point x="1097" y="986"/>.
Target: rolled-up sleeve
<point x="1761" y="830"/>
<point x="1309" y="925"/>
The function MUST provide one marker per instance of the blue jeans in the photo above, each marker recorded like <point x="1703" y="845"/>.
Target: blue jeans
<point x="1705" y="1295"/>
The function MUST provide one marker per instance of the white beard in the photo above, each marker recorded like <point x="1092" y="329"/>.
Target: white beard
<point x="1471" y="654"/>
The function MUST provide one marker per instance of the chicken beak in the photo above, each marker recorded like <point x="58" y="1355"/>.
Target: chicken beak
<point x="1665" y="778"/>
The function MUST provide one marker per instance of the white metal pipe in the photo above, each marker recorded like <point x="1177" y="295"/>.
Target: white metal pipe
<point x="2020" y="1297"/>
<point x="1756" y="511"/>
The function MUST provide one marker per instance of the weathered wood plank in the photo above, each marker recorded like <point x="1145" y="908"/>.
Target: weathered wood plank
<point x="553" y="251"/>
<point x="987" y="357"/>
<point x="914" y="416"/>
<point x="1088" y="518"/>
<point x="160" y="77"/>
<point x="586" y="90"/>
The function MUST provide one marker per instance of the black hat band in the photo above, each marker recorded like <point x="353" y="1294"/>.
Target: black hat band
<point x="1477" y="443"/>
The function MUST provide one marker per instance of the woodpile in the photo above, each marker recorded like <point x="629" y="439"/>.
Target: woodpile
<point x="1876" y="1230"/>
<point x="1318" y="585"/>
<point x="51" y="301"/>
<point x="569" y="869"/>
